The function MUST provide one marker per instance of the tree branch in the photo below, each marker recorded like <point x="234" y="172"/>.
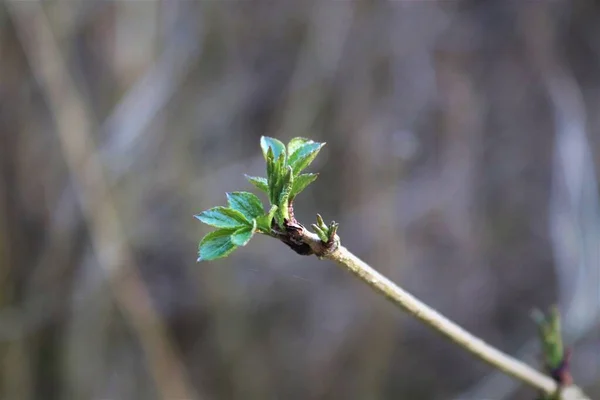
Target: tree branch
<point x="382" y="285"/>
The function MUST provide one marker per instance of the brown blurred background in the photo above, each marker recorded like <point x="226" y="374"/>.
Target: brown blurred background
<point x="462" y="161"/>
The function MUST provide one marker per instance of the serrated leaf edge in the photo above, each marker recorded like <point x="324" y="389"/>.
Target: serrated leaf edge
<point x="302" y="163"/>
<point x="255" y="206"/>
<point x="259" y="182"/>
<point x="237" y="216"/>
<point x="224" y="232"/>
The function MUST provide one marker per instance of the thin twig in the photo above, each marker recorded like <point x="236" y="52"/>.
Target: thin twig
<point x="437" y="321"/>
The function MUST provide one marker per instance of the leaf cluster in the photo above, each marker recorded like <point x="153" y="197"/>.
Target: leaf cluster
<point x="245" y="214"/>
<point x="325" y="232"/>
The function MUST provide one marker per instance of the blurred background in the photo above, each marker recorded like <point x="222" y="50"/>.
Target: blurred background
<point x="462" y="161"/>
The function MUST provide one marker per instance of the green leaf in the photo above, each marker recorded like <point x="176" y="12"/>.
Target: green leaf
<point x="247" y="203"/>
<point x="274" y="144"/>
<point x="333" y="230"/>
<point x="223" y="217"/>
<point x="296" y="143"/>
<point x="270" y="164"/>
<point x="277" y="178"/>
<point x="286" y="186"/>
<point x="321" y="223"/>
<point x="320" y="233"/>
<point x="259" y="182"/>
<point x="301" y="182"/>
<point x="280" y="169"/>
<point x="304" y="155"/>
<point x="215" y="245"/>
<point x="271" y="174"/>
<point x="242" y="236"/>
<point x="264" y="222"/>
<point x="551" y="337"/>
<point x="284" y="196"/>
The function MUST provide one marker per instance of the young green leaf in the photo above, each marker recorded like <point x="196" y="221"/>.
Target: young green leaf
<point x="278" y="176"/>
<point x="304" y="155"/>
<point x="321" y="223"/>
<point x="242" y="236"/>
<point x="280" y="166"/>
<point x="296" y="143"/>
<point x="271" y="174"/>
<point x="284" y="196"/>
<point x="267" y="143"/>
<point x="333" y="230"/>
<point x="301" y="182"/>
<point x="259" y="182"/>
<point x="264" y="222"/>
<point x="551" y="337"/>
<point x="320" y="233"/>
<point x="246" y="203"/>
<point x="286" y="186"/>
<point x="223" y="217"/>
<point x="215" y="245"/>
<point x="279" y="218"/>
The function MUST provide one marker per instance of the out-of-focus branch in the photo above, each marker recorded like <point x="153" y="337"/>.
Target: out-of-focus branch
<point x="131" y="118"/>
<point x="74" y="131"/>
<point x="574" y="208"/>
